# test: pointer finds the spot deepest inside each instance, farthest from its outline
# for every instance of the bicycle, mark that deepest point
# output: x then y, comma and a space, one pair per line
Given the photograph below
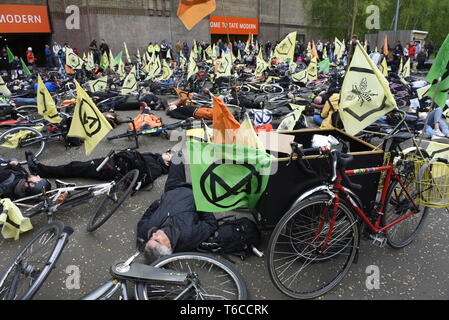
26, 274
180, 276
68, 196
325, 226
33, 136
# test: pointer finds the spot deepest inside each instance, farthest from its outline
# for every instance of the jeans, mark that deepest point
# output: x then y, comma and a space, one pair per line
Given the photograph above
25, 101
436, 116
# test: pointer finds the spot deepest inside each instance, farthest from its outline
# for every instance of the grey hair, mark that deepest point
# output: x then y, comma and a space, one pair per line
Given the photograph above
152, 253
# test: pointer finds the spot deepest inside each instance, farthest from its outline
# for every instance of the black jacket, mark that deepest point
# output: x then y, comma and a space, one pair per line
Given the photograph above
9, 176
176, 214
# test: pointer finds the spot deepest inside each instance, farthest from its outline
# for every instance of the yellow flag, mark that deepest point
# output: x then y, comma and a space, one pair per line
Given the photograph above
365, 94
139, 57
130, 83
155, 67
127, 52
90, 61
104, 63
406, 69
3, 88
423, 92
73, 61
438, 150
169, 54
225, 68
325, 56
194, 51
239, 56
193, 68
286, 48
290, 120
401, 67
247, 136
111, 60
45, 104
88, 122
339, 49
309, 50
121, 70
209, 51
167, 72
12, 222
384, 67
262, 65
98, 85
300, 77
312, 70
182, 61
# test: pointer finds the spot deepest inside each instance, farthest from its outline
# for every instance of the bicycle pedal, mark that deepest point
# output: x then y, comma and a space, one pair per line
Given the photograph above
379, 240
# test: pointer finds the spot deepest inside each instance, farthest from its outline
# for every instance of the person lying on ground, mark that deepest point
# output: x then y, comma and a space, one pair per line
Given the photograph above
172, 224
17, 183
150, 165
437, 126
180, 109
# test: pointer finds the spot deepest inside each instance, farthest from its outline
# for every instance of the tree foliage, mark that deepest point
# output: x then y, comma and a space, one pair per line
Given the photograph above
335, 17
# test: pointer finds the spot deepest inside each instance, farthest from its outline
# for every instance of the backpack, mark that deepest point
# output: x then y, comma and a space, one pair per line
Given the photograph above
126, 161
236, 237
146, 121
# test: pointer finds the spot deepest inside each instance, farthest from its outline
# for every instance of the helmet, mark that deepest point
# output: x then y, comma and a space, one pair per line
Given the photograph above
23, 189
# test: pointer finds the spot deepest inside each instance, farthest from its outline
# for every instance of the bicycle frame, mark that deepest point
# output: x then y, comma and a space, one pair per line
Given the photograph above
390, 175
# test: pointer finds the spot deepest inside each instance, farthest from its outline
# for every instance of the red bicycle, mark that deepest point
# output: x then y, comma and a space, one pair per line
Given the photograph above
314, 244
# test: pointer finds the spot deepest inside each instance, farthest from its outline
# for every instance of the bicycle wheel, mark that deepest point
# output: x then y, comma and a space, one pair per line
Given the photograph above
298, 264
212, 279
33, 264
16, 141
112, 200
273, 89
398, 205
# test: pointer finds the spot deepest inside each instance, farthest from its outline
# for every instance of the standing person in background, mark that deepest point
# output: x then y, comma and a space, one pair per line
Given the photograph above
104, 47
56, 48
94, 49
422, 57
178, 50
31, 59
319, 49
164, 49
186, 50
48, 57
418, 49
15, 67
411, 51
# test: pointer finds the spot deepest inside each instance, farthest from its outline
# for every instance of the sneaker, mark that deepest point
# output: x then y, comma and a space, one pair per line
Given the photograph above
436, 137
439, 133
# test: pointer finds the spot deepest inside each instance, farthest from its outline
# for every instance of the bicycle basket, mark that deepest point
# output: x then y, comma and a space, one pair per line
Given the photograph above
432, 183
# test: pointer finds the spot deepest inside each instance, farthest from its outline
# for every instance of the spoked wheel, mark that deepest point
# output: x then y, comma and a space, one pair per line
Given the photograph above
398, 205
33, 264
14, 142
210, 279
300, 264
273, 89
112, 200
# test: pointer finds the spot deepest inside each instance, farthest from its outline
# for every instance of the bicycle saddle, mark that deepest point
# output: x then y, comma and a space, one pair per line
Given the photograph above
62, 184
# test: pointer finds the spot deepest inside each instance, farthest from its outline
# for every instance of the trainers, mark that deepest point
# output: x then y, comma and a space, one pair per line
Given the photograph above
436, 138
439, 133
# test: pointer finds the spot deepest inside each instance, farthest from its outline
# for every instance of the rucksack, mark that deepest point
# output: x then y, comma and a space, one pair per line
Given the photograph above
128, 160
236, 237
146, 121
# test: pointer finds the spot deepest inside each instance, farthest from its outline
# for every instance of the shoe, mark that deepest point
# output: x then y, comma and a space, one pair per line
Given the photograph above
436, 138
32, 162
439, 133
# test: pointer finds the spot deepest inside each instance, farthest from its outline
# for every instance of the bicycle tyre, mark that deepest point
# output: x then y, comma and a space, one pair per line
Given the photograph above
30, 113
181, 259
55, 228
37, 150
102, 213
290, 223
401, 209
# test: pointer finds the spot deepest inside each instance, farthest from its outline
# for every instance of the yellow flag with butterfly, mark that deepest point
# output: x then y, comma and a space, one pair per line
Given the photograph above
193, 68
262, 65
4, 89
300, 77
286, 48
88, 122
99, 84
73, 61
365, 94
225, 68
167, 72
45, 105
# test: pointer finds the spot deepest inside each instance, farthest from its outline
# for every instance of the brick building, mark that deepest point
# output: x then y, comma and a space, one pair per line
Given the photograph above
138, 22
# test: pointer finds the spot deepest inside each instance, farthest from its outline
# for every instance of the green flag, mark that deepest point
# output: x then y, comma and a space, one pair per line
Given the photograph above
118, 57
440, 70
324, 66
226, 177
26, 71
10, 55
